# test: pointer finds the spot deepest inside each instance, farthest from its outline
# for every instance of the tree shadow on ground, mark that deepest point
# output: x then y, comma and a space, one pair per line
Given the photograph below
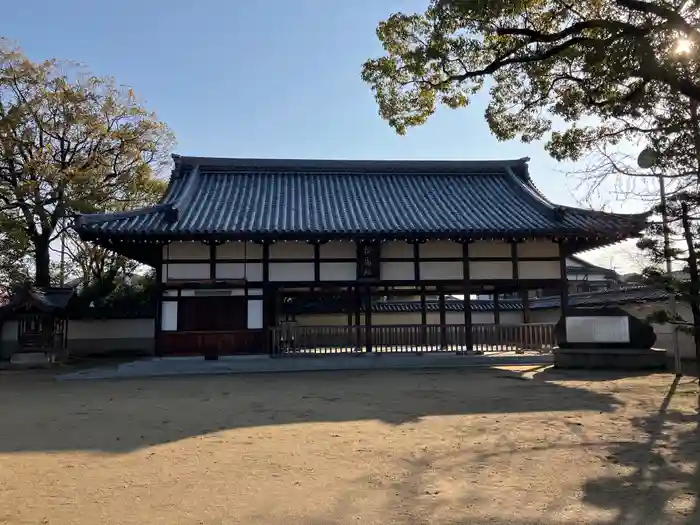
658, 478
654, 480
122, 416
558, 374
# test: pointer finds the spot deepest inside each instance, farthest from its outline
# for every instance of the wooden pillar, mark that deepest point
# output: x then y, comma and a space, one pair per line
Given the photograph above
157, 339
212, 261
423, 304
563, 285
368, 318
525, 301
270, 302
317, 264
564, 280
496, 309
357, 307
467, 290
443, 319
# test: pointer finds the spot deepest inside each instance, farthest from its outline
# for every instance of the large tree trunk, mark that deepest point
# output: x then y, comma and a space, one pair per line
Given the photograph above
42, 261
694, 282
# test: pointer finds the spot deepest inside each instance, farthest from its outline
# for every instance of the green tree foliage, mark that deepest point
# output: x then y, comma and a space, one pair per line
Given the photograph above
88, 262
70, 142
543, 62
585, 76
119, 294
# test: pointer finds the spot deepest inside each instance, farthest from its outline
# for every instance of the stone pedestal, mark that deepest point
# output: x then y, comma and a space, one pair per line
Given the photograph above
610, 358
31, 360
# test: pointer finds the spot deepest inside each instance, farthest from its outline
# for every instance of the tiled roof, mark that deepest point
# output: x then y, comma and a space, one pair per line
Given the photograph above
587, 268
43, 299
450, 306
305, 199
399, 307
634, 294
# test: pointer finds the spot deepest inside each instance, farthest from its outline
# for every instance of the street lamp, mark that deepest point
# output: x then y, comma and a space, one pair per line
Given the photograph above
648, 159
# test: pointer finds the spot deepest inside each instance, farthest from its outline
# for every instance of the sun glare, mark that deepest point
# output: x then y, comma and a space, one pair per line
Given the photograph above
683, 46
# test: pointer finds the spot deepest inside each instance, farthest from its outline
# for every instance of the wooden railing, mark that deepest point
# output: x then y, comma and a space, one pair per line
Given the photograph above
295, 339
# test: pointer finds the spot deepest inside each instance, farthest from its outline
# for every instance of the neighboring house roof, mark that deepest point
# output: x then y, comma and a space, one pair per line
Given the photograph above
634, 294
258, 199
42, 299
588, 268
451, 305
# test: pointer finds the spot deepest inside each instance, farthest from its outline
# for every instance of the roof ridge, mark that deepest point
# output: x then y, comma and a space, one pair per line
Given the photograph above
353, 166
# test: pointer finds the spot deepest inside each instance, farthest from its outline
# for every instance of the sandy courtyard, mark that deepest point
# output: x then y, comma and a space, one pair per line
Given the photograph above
501, 446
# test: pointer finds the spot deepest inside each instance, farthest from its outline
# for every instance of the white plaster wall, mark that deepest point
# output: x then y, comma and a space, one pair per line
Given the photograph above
96, 329
539, 270
180, 271
251, 271
396, 249
301, 271
338, 250
110, 328
440, 249
480, 249
535, 249
337, 271
482, 318
511, 318
185, 251
410, 318
397, 271
168, 318
434, 270
255, 314
239, 250
481, 270
291, 250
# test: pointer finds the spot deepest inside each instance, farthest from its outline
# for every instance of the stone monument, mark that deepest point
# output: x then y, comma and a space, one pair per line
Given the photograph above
605, 338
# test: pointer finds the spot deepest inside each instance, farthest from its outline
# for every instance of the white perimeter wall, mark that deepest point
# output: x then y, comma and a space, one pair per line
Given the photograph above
95, 336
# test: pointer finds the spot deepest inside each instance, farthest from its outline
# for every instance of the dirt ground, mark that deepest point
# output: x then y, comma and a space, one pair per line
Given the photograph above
499, 446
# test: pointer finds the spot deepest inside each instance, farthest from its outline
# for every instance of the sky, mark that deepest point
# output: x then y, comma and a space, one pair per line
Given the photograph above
271, 78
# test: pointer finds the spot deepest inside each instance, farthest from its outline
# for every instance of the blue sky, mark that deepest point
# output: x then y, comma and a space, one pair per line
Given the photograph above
270, 78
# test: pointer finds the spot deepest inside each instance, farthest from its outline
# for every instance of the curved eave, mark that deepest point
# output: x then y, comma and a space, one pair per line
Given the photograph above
178, 216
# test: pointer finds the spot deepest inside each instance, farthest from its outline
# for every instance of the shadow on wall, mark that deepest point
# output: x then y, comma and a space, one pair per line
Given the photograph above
122, 416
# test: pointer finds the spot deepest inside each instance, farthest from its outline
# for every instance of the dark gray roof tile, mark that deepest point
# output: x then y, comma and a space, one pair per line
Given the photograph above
247, 198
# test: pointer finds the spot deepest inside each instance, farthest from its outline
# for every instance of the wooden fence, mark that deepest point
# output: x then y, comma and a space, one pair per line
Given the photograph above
481, 338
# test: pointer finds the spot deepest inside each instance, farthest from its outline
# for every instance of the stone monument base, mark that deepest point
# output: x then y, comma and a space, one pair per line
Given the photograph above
31, 360
610, 358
